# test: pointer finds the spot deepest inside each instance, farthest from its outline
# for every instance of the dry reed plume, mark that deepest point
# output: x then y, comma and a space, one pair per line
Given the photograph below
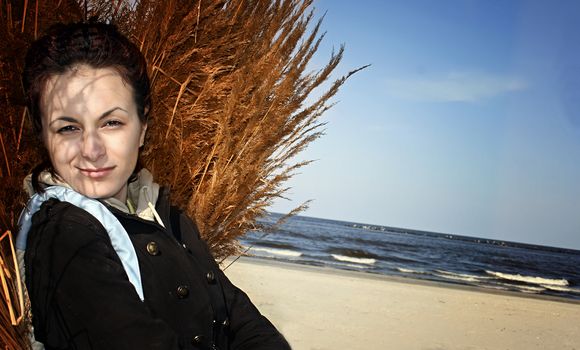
229, 111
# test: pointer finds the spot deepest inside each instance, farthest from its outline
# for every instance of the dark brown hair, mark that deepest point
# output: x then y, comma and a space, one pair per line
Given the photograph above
97, 45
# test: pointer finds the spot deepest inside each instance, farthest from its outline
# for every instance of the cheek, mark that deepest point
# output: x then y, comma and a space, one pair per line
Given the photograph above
134, 143
125, 150
61, 152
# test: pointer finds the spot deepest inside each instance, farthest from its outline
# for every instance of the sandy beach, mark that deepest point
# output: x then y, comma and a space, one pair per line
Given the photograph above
322, 308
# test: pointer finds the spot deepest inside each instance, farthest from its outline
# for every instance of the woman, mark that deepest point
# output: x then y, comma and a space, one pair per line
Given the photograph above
110, 264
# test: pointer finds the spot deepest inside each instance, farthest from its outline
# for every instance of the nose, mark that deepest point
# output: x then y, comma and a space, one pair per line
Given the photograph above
93, 147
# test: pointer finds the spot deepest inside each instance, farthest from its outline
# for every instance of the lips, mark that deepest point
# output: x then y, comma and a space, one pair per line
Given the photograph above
96, 173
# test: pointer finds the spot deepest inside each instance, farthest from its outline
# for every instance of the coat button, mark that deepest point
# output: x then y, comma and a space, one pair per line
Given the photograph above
210, 276
182, 292
198, 339
226, 322
153, 248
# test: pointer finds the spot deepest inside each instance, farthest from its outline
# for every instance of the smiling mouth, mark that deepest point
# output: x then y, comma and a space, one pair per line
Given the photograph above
96, 173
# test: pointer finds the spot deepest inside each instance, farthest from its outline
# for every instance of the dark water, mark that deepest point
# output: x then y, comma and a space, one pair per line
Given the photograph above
419, 254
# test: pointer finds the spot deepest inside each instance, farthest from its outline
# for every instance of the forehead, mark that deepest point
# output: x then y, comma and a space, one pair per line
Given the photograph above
87, 89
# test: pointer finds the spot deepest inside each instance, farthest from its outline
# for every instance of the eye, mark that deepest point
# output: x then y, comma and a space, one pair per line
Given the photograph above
113, 123
68, 129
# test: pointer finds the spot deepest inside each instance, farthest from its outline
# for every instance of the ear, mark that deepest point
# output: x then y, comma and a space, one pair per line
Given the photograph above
142, 136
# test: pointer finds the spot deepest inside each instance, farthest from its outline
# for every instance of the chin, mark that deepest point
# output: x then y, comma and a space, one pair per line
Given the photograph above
99, 193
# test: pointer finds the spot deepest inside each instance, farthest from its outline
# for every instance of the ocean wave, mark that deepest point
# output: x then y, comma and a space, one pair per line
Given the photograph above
458, 276
528, 279
404, 270
490, 286
351, 259
530, 289
522, 288
355, 253
281, 252
561, 289
343, 264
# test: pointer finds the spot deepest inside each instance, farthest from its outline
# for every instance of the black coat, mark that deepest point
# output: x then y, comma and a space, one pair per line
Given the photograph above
82, 299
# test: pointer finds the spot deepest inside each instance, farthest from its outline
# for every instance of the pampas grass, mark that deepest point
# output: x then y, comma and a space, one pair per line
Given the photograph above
230, 83
230, 87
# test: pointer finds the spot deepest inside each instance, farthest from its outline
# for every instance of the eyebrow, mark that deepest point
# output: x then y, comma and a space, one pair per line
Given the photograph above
73, 120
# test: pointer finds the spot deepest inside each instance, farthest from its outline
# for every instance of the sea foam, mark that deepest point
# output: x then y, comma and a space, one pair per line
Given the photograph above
272, 251
367, 261
529, 279
404, 270
458, 276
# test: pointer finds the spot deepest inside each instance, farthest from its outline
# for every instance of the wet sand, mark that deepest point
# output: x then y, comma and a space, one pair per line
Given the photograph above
321, 308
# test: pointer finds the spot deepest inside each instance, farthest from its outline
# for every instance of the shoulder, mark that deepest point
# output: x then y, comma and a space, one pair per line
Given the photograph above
60, 229
59, 217
55, 209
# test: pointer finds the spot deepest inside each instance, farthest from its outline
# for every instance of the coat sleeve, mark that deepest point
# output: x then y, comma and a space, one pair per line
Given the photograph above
248, 329
80, 295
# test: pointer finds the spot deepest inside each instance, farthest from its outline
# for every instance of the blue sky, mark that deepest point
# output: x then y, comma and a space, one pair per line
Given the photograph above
467, 122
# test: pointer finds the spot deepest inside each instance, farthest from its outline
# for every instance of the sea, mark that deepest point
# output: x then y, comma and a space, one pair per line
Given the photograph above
440, 257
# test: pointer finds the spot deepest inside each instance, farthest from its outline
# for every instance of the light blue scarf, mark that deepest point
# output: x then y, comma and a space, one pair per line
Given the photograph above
119, 237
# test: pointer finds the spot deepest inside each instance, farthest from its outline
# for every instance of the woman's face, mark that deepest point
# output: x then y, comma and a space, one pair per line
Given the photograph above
91, 130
